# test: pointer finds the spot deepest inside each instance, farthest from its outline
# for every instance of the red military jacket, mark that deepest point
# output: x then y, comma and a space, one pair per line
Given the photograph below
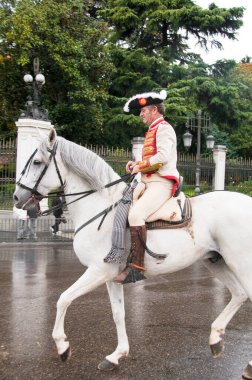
159, 154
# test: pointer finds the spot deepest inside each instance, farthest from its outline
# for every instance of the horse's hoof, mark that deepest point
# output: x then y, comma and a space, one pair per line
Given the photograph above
217, 348
247, 373
105, 365
66, 355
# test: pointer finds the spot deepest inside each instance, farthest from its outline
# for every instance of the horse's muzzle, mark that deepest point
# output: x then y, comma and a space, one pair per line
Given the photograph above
23, 201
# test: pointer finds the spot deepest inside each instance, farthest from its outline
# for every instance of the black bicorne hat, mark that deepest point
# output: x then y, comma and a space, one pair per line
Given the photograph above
146, 99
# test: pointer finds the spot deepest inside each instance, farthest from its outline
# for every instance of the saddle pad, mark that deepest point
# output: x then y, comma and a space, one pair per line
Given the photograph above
163, 224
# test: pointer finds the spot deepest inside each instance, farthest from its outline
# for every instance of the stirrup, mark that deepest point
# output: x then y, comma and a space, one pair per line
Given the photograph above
134, 275
129, 274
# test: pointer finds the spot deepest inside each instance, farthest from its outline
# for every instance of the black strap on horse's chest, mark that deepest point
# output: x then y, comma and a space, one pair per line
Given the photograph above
103, 213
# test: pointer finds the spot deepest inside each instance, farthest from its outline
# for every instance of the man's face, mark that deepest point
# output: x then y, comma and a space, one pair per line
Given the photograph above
148, 114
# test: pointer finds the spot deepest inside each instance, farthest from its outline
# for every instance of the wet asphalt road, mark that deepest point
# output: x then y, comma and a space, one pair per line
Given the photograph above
168, 322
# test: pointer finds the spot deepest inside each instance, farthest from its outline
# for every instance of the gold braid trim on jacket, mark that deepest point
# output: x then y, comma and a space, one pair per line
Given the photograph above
145, 167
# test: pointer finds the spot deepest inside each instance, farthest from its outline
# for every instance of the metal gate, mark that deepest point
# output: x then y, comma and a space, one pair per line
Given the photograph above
7, 172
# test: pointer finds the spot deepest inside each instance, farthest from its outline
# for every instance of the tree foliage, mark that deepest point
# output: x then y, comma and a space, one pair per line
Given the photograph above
164, 26
150, 53
222, 93
74, 58
96, 54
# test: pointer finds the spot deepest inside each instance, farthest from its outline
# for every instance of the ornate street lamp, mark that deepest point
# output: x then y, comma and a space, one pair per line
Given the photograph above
33, 108
210, 142
187, 139
201, 122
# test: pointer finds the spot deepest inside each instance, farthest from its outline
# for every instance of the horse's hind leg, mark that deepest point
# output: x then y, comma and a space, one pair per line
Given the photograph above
243, 270
117, 304
238, 296
90, 280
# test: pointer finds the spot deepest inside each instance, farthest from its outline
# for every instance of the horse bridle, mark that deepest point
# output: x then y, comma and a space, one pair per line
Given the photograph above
36, 194
34, 191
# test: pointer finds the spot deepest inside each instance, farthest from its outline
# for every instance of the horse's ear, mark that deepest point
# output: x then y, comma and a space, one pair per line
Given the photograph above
52, 136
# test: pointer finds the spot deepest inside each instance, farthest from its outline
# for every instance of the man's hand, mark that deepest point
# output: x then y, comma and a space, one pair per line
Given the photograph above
130, 165
135, 169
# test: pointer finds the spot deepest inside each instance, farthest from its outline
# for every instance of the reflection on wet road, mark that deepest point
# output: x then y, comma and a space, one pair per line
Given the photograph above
168, 323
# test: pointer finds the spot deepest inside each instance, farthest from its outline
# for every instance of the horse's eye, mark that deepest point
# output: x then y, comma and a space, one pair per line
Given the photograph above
36, 162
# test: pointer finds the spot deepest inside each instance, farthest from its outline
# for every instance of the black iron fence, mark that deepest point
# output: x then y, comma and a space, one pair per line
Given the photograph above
238, 171
7, 172
187, 168
238, 178
115, 157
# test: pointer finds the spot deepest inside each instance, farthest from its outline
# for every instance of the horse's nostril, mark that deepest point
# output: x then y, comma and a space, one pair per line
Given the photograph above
15, 198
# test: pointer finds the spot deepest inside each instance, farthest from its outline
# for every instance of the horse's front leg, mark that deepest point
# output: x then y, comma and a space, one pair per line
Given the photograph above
117, 304
90, 280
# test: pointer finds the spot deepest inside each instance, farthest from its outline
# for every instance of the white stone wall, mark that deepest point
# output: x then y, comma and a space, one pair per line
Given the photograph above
29, 137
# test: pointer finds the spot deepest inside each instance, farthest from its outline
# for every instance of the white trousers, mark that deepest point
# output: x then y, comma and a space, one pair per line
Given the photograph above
155, 195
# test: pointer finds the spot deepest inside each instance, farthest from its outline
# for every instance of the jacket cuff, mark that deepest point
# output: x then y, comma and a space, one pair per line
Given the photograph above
146, 167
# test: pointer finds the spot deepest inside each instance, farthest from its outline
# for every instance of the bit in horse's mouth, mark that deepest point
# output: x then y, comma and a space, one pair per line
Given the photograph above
33, 199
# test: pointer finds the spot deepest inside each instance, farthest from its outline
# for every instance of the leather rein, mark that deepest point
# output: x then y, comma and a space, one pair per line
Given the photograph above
36, 195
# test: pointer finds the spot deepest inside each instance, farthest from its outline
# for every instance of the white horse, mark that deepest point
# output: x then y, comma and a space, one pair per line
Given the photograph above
220, 228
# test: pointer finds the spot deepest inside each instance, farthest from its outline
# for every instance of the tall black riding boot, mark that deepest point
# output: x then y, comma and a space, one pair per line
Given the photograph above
135, 263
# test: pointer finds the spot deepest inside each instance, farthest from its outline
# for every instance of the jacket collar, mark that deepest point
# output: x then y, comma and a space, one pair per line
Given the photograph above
155, 123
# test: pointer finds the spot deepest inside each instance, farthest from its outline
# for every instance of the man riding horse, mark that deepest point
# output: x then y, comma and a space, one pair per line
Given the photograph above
159, 176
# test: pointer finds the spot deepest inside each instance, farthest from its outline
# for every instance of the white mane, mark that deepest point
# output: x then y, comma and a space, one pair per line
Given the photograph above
84, 163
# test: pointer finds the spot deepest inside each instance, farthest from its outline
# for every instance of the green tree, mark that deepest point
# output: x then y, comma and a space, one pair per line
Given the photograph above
96, 54
150, 52
225, 92
136, 72
74, 58
164, 26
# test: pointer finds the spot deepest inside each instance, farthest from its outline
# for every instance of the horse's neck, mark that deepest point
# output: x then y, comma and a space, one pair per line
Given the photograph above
90, 205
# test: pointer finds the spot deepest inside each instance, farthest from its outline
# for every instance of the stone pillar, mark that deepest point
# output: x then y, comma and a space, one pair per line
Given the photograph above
219, 156
29, 136
137, 146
